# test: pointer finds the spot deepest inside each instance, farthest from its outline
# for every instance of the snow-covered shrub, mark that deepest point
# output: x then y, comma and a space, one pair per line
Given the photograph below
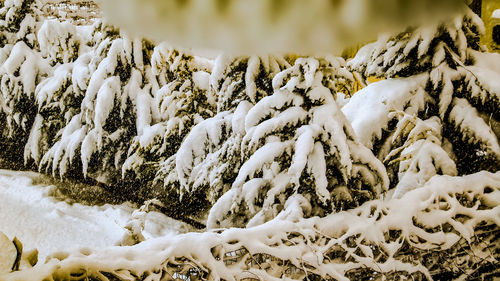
300, 152
58, 100
59, 41
21, 69
237, 79
337, 78
96, 138
208, 160
59, 97
18, 21
420, 153
20, 72
101, 31
431, 77
180, 100
446, 230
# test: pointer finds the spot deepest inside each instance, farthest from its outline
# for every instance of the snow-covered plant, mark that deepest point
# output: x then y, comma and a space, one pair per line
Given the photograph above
420, 153
385, 118
300, 151
18, 21
182, 101
59, 41
237, 79
337, 78
58, 100
110, 78
170, 64
101, 31
209, 158
430, 75
446, 230
21, 69
59, 97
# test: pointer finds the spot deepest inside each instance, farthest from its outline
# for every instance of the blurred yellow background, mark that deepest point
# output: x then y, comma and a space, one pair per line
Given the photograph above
490, 13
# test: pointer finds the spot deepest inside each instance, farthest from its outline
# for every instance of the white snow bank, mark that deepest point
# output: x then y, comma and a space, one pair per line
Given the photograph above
40, 221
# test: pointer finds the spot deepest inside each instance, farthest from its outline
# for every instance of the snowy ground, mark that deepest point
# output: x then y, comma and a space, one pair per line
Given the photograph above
38, 220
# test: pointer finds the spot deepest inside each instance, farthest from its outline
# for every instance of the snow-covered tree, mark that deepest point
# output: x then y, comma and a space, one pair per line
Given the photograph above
57, 104
434, 104
237, 79
22, 68
180, 100
59, 41
263, 140
105, 86
208, 160
301, 155
58, 98
18, 21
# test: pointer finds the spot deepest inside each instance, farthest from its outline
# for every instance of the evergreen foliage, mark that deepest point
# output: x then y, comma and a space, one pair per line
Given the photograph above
208, 160
22, 68
87, 108
451, 103
298, 150
179, 99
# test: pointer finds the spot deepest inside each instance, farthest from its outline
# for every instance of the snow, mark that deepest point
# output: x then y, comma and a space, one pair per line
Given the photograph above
488, 77
30, 213
105, 100
202, 80
143, 102
368, 110
192, 151
294, 241
467, 119
490, 61
304, 146
317, 167
292, 115
496, 14
58, 40
91, 143
238, 120
31, 150
269, 105
47, 89
428, 158
81, 73
252, 71
64, 150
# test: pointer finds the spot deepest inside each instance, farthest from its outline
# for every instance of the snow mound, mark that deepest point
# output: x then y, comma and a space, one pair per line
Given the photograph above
31, 214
